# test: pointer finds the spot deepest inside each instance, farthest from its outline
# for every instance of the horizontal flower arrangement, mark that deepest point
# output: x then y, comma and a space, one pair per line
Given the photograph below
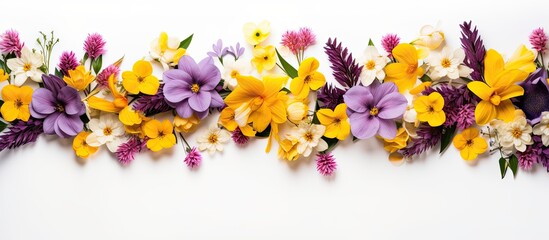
412, 96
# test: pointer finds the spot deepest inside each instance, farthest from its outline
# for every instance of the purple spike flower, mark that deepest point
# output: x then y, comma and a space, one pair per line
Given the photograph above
193, 158
472, 44
218, 50
103, 77
126, 151
10, 43
152, 104
538, 39
389, 42
346, 69
59, 105
67, 62
237, 51
191, 88
329, 96
427, 137
21, 133
94, 45
326, 164
373, 110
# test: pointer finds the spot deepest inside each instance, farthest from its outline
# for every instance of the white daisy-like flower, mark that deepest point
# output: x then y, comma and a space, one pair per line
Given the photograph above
213, 140
448, 63
231, 69
166, 50
26, 67
514, 135
373, 66
542, 128
309, 137
108, 130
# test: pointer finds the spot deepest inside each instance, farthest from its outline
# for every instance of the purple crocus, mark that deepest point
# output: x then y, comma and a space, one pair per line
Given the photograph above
236, 51
191, 87
536, 96
372, 110
218, 50
59, 105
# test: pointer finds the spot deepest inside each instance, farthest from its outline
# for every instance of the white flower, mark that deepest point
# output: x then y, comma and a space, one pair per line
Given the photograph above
231, 69
373, 66
448, 63
26, 67
106, 129
166, 50
430, 37
514, 135
308, 137
542, 128
213, 140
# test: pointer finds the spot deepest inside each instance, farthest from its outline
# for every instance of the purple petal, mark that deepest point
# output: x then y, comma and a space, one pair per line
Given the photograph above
187, 64
176, 74
358, 99
392, 106
70, 98
202, 115
43, 103
49, 123
176, 91
53, 83
387, 129
200, 101
183, 109
217, 101
68, 125
209, 74
363, 125
379, 90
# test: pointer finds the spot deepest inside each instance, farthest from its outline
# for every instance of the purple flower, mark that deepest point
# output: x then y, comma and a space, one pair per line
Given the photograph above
59, 105
472, 44
10, 43
191, 87
533, 154
94, 45
67, 62
239, 138
427, 137
218, 50
103, 77
464, 117
21, 133
372, 110
329, 96
152, 104
298, 41
538, 39
536, 96
237, 51
193, 158
389, 42
346, 70
126, 152
326, 164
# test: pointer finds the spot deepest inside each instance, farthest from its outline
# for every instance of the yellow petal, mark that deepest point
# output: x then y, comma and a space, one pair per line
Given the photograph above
163, 41
522, 59
485, 112
493, 65
102, 104
130, 82
396, 71
278, 112
25, 94
168, 141
422, 105
142, 68
129, 117
509, 77
437, 102
152, 128
344, 130
273, 83
316, 80
468, 154
341, 111
459, 141
167, 127
261, 118
505, 111
24, 113
10, 93
480, 89
149, 85
9, 111
154, 144
307, 67
296, 87
436, 118
247, 131
479, 145
325, 116
405, 53
511, 92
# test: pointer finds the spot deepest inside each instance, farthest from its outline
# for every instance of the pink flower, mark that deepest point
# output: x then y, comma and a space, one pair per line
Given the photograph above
298, 41
389, 42
538, 39
193, 158
326, 164
9, 43
306, 38
103, 76
67, 62
94, 45
290, 39
239, 138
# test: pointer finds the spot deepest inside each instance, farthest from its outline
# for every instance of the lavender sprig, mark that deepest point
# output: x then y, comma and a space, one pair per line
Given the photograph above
21, 133
427, 137
330, 96
126, 152
346, 70
475, 51
152, 104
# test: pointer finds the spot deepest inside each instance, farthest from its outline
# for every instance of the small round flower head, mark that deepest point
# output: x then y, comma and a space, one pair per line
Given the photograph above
238, 137
290, 39
326, 164
67, 62
103, 77
306, 38
193, 158
10, 43
94, 45
389, 42
538, 39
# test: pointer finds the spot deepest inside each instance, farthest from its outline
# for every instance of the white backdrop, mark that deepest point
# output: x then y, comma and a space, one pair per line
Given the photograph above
244, 193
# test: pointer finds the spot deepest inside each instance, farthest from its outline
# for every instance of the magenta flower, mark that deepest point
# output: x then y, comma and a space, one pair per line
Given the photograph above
290, 39
298, 41
239, 137
326, 164
191, 87
94, 45
193, 158
306, 38
538, 39
10, 43
389, 42
103, 77
126, 151
67, 62
59, 105
372, 110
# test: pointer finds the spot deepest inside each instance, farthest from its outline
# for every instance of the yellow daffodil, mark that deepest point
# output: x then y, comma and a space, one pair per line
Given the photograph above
288, 149
297, 109
140, 79
120, 101
308, 78
3, 76
500, 87
185, 125
429, 109
470, 144
335, 121
255, 34
227, 120
79, 78
522, 59
264, 58
80, 147
160, 134
16, 102
405, 72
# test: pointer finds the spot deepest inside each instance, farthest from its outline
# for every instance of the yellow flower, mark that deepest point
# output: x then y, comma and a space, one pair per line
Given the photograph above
335, 121
255, 34
264, 58
430, 37
129, 117
227, 120
79, 78
308, 78
429, 109
3, 76
140, 79
16, 102
397, 143
288, 149
160, 135
120, 101
405, 72
80, 147
420, 88
470, 144
166, 50
522, 59
499, 88
186, 125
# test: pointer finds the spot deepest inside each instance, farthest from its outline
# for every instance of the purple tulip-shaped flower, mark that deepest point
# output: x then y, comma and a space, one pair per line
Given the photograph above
191, 87
372, 110
59, 105
536, 96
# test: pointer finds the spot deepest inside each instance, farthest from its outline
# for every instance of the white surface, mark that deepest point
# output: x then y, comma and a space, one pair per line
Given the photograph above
244, 193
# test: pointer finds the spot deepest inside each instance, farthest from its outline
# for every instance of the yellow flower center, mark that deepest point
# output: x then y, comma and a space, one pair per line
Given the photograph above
517, 133
212, 138
411, 68
27, 67
445, 63
195, 88
370, 65
374, 111
234, 73
107, 131
495, 99
308, 136
18, 103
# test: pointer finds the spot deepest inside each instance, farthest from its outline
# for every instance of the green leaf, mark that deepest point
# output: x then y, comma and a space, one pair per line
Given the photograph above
58, 73
84, 118
513, 164
446, 138
370, 43
85, 58
332, 142
425, 78
4, 67
503, 167
1, 102
291, 71
315, 117
3, 126
284, 89
265, 132
97, 64
186, 42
